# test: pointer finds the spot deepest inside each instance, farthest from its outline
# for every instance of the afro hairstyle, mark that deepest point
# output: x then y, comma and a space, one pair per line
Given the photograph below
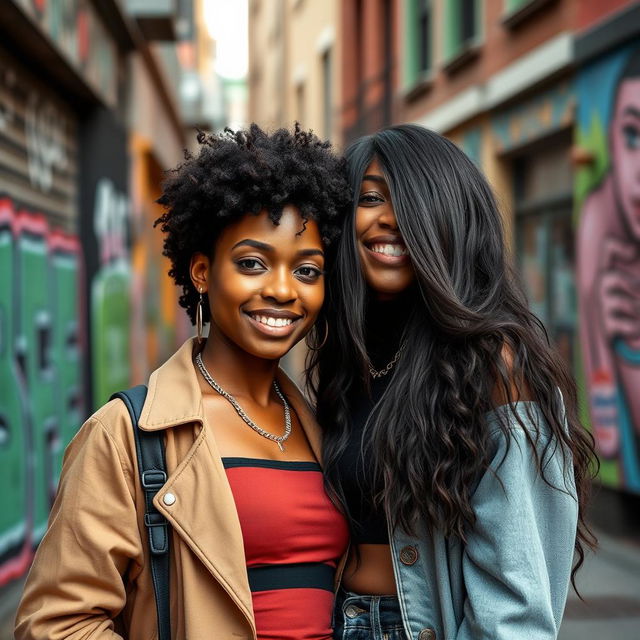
245, 172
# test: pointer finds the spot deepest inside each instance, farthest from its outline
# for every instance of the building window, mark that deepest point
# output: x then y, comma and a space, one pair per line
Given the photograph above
545, 242
512, 5
419, 40
462, 26
517, 11
327, 99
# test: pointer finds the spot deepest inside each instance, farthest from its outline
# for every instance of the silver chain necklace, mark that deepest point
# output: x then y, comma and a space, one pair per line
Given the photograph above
279, 440
378, 373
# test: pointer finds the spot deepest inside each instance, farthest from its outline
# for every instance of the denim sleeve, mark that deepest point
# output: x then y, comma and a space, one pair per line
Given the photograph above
517, 560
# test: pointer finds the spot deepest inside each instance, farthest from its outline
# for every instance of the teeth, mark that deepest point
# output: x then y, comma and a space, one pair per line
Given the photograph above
270, 321
390, 249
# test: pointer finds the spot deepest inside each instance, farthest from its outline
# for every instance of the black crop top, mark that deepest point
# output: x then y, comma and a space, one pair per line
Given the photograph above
385, 323
369, 521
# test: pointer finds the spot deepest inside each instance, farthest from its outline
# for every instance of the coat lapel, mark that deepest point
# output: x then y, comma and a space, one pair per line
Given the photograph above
203, 513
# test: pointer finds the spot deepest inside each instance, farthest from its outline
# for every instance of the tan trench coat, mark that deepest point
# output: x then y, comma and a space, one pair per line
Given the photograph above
92, 567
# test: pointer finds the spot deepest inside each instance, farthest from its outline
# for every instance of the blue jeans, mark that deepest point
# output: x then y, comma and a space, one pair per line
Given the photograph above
359, 617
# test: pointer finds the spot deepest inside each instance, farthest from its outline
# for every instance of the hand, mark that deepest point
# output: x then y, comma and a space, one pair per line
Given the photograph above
618, 291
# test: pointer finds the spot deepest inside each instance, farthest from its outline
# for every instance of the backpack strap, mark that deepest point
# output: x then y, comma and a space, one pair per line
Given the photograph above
153, 475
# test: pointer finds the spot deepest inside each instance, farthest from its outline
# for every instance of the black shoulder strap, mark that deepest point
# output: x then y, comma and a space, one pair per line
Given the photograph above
153, 475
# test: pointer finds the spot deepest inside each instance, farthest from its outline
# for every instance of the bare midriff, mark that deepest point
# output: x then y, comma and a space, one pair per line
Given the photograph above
371, 573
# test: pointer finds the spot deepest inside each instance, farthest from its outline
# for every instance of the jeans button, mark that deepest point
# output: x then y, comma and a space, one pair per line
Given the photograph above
351, 611
409, 556
427, 634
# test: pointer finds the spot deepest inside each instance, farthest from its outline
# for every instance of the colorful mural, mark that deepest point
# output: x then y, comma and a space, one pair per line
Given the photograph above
543, 114
608, 248
40, 374
105, 230
110, 293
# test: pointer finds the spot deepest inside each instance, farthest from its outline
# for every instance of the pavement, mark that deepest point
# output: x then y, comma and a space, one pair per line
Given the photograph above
609, 583
9, 597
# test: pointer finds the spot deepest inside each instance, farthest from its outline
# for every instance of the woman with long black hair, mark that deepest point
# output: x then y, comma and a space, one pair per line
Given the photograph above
450, 430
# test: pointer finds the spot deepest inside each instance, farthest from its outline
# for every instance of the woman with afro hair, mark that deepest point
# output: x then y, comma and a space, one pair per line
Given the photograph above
254, 539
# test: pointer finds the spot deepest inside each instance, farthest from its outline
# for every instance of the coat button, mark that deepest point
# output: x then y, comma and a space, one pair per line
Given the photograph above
168, 499
427, 634
409, 556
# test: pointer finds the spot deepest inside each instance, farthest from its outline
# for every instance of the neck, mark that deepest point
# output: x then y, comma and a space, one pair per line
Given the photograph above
384, 325
237, 371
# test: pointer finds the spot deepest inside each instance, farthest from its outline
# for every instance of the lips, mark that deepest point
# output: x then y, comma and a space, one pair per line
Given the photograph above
387, 249
273, 322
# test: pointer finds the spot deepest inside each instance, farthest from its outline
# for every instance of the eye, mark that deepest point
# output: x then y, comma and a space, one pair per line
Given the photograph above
250, 264
308, 273
631, 137
370, 198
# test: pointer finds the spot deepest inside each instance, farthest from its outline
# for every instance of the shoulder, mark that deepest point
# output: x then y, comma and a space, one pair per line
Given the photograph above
517, 420
516, 387
523, 444
107, 433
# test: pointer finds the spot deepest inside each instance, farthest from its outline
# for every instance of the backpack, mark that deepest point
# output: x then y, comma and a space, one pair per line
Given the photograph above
153, 475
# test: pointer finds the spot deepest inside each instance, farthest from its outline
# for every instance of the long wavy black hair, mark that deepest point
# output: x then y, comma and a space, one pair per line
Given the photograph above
469, 336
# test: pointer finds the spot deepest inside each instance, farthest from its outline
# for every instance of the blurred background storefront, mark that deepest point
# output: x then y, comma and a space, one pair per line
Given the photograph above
99, 97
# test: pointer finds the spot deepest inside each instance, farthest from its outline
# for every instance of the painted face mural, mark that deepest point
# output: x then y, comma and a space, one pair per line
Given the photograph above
609, 260
625, 153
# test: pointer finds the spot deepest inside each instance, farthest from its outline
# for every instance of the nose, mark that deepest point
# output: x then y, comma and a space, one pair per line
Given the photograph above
280, 287
387, 219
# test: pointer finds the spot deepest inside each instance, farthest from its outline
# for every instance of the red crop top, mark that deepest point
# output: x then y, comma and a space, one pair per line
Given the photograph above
293, 539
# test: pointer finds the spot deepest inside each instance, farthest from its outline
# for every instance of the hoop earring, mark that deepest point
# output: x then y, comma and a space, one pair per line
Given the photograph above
199, 316
324, 341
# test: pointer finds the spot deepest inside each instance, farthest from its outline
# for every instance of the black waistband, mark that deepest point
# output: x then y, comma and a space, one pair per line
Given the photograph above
303, 575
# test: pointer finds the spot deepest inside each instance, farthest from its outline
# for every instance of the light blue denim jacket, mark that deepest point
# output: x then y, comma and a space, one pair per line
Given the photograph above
510, 580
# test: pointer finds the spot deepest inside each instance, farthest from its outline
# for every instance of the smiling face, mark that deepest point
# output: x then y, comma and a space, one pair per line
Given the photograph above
625, 147
265, 283
386, 264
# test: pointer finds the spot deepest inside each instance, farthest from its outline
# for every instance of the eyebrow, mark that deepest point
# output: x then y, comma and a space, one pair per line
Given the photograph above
311, 252
374, 178
262, 246
632, 111
253, 243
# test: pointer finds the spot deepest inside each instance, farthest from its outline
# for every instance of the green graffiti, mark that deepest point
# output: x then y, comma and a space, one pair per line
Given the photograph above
35, 347
110, 320
595, 140
13, 448
65, 351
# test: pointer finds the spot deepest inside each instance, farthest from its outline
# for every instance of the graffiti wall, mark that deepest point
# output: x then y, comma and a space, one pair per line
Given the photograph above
607, 193
104, 229
40, 374
86, 306
41, 328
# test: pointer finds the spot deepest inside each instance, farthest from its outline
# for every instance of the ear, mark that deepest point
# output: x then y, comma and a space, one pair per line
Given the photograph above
199, 270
